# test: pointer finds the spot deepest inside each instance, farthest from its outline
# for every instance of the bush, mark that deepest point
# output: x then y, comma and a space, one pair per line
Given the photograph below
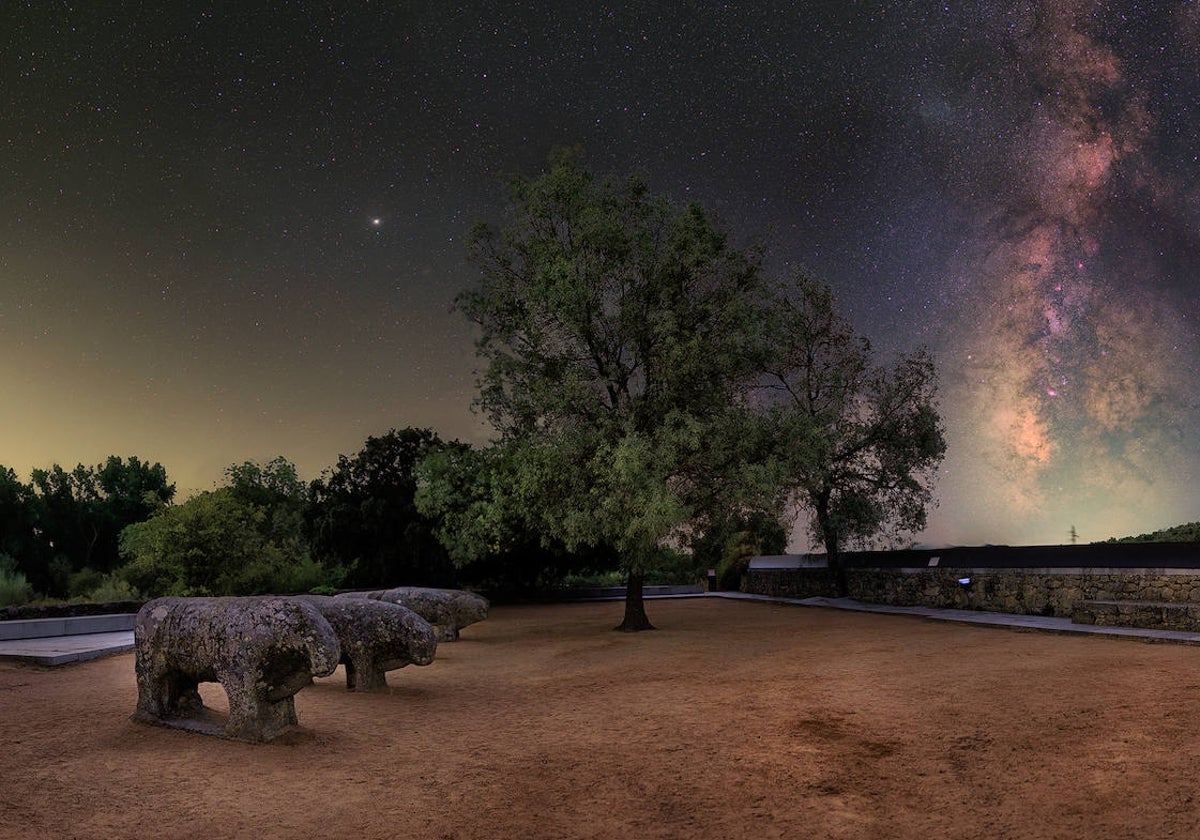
112, 588
669, 568
674, 568
735, 560
587, 577
58, 577
81, 583
306, 575
14, 587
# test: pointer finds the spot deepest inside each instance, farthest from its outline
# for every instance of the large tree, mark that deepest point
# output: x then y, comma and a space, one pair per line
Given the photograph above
130, 490
80, 514
277, 490
19, 536
245, 538
859, 442
363, 515
617, 328
211, 544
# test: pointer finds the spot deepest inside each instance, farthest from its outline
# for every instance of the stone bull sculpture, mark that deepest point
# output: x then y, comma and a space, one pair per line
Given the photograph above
262, 650
375, 637
448, 610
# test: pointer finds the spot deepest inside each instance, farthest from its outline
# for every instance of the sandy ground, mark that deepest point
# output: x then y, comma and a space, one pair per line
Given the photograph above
733, 719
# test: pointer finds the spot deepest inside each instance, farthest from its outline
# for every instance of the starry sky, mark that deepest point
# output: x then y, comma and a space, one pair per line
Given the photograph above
230, 231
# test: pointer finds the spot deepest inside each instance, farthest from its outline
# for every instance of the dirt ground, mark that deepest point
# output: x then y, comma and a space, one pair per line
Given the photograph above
733, 719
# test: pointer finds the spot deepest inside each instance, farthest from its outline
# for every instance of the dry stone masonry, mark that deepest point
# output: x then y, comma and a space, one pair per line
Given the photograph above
1053, 592
1150, 585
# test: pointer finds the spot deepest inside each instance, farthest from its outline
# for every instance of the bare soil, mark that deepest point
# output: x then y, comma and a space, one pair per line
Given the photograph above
733, 719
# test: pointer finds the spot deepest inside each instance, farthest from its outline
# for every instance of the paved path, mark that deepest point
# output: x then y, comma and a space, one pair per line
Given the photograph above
1041, 623
59, 650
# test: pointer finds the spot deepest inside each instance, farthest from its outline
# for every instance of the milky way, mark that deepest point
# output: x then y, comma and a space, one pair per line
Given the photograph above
1078, 387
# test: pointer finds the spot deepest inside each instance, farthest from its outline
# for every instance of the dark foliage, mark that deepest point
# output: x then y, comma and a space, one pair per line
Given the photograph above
63, 522
362, 515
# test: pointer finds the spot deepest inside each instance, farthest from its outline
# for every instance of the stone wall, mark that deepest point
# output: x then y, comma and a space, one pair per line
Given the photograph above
1052, 592
788, 583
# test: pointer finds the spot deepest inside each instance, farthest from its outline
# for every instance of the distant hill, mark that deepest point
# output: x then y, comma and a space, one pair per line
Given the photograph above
1179, 533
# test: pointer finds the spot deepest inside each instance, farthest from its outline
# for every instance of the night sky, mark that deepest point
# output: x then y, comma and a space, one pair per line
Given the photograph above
234, 231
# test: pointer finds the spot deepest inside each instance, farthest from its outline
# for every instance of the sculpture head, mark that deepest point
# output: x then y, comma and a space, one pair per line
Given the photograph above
400, 631
324, 650
422, 638
472, 608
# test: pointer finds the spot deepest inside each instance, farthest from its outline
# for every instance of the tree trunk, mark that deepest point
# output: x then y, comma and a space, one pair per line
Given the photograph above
833, 557
841, 587
635, 606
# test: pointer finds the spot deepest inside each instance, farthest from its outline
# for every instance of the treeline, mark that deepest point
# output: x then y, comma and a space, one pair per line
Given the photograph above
115, 532
60, 532
1188, 532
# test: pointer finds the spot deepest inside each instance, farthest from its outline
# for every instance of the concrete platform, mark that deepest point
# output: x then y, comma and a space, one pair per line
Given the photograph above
60, 650
39, 628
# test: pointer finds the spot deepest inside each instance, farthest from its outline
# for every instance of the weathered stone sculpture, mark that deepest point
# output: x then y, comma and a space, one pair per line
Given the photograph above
360, 594
448, 610
375, 637
262, 650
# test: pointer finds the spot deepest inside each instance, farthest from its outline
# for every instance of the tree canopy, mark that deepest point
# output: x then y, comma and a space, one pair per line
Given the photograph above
650, 386
858, 443
480, 510
1188, 532
363, 514
78, 515
245, 538
617, 329
20, 539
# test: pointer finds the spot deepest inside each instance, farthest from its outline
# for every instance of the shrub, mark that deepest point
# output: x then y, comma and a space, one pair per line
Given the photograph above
14, 587
111, 588
305, 575
587, 577
81, 583
735, 560
59, 577
673, 568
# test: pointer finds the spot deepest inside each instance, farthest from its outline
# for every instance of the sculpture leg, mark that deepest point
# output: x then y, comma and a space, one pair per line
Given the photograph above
367, 675
252, 715
164, 693
151, 691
